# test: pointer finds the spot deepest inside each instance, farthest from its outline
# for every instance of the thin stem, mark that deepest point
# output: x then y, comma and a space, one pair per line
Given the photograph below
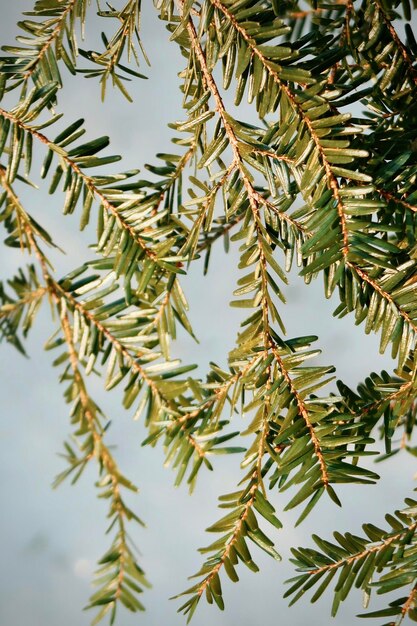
384, 294
408, 604
175, 176
303, 411
101, 452
22, 217
390, 196
344, 35
234, 538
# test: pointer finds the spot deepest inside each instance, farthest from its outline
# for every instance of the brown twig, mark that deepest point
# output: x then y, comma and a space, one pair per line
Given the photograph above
303, 411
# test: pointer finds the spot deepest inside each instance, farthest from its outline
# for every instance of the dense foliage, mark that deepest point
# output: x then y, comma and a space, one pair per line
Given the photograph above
325, 181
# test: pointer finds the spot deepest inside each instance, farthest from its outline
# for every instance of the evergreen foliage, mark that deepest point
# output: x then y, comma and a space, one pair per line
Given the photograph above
325, 181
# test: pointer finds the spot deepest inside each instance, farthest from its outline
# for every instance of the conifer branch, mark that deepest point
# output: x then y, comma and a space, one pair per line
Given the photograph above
253, 197
359, 560
392, 197
23, 220
88, 181
304, 412
307, 183
331, 178
115, 589
236, 534
384, 294
361, 555
37, 294
55, 34
405, 53
58, 293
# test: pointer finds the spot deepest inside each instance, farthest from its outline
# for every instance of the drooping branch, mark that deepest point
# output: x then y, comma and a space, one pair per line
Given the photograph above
254, 201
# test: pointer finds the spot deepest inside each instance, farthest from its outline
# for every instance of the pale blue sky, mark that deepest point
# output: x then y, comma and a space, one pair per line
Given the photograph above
51, 539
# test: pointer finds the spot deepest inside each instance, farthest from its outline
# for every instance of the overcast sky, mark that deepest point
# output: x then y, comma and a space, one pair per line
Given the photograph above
52, 539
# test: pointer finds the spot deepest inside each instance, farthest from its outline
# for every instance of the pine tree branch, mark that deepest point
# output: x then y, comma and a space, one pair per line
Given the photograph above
384, 294
107, 464
99, 450
274, 155
253, 197
57, 293
182, 164
236, 533
55, 34
127, 17
331, 178
22, 218
305, 414
109, 61
353, 224
359, 559
359, 556
88, 181
18, 313
37, 294
408, 60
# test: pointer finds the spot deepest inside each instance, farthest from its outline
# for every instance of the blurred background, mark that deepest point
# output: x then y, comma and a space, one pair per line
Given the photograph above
51, 540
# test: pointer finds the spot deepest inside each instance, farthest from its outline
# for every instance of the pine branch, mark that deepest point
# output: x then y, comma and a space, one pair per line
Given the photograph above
384, 294
268, 340
359, 560
114, 587
18, 313
22, 220
109, 61
236, 527
87, 180
387, 399
44, 45
303, 411
392, 197
405, 53
158, 400
349, 252
334, 194
117, 585
55, 34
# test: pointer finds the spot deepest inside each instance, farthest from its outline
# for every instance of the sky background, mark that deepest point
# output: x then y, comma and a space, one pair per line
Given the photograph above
52, 539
